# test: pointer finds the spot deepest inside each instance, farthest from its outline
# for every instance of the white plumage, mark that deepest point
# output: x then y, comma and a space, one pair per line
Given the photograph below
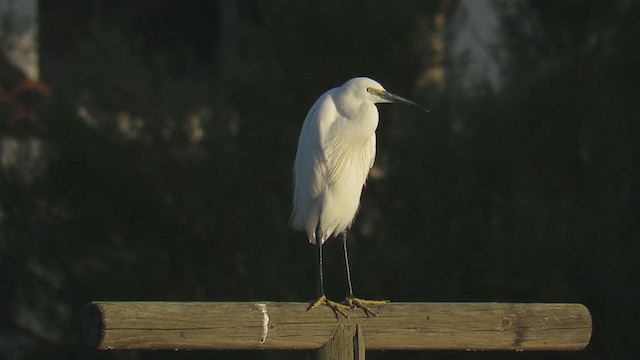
336, 149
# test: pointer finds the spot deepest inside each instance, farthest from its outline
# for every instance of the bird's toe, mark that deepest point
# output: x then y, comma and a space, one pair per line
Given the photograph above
363, 304
336, 307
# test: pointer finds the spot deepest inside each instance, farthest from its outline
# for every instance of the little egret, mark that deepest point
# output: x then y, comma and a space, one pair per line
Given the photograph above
336, 149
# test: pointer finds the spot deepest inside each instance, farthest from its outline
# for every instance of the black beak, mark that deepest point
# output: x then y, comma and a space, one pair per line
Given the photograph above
389, 97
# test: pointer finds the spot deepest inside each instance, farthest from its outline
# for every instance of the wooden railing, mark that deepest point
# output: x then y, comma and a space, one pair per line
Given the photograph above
277, 325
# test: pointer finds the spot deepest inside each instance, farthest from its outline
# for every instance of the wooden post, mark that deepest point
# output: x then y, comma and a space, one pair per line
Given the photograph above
346, 344
400, 326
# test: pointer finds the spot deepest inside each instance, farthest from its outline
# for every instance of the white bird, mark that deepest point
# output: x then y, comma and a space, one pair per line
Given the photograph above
336, 150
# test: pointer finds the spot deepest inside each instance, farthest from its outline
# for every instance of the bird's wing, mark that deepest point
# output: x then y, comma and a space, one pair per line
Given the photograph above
372, 150
347, 159
313, 148
336, 150
310, 166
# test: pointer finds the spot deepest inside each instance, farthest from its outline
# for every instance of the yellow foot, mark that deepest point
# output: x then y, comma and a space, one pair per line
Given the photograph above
354, 302
336, 307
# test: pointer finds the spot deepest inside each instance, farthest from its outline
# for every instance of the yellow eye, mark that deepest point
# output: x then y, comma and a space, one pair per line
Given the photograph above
369, 90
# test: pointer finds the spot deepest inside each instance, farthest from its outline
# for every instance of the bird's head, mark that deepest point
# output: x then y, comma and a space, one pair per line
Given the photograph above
372, 91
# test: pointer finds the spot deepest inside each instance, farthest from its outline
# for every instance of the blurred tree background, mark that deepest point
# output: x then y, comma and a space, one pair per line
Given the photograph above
153, 162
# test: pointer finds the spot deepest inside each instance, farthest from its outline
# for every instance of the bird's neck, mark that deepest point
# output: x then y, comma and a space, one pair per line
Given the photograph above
360, 121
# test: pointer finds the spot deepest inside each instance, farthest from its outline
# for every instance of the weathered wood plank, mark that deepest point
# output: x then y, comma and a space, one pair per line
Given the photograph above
406, 326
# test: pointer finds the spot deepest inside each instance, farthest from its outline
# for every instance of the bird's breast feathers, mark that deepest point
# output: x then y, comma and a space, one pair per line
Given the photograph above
346, 145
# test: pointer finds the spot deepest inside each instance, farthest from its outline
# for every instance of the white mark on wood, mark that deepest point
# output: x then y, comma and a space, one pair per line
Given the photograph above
265, 321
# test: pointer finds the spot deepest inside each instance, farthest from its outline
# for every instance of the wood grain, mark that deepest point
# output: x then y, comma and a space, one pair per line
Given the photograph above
405, 326
347, 344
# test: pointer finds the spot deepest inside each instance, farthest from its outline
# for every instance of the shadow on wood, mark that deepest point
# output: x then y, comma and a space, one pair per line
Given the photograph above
272, 325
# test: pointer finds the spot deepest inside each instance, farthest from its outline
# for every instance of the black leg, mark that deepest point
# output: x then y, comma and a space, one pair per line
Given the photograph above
319, 246
346, 262
337, 308
351, 300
